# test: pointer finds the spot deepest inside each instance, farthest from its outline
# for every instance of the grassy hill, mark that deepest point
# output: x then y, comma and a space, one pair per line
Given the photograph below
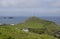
38, 29
36, 22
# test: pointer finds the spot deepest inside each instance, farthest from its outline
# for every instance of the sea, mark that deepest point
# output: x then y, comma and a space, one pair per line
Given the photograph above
21, 19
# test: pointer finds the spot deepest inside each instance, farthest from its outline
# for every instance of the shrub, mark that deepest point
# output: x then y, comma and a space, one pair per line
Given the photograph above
37, 30
0, 33
10, 37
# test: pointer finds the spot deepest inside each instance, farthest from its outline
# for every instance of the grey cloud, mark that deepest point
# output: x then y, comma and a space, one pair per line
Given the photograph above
30, 3
19, 3
54, 4
33, 6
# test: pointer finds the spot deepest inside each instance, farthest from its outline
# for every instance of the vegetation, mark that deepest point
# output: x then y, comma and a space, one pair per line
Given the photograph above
38, 29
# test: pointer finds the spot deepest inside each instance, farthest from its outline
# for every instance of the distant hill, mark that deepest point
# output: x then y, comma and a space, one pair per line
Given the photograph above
37, 22
10, 17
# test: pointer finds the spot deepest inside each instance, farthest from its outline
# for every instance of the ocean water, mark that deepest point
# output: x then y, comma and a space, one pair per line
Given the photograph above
15, 20
21, 19
53, 19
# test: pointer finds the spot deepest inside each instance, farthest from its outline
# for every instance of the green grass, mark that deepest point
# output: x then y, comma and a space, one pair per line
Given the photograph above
11, 33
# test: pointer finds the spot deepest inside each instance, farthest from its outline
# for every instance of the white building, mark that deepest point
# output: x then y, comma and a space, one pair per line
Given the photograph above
25, 29
0, 23
12, 24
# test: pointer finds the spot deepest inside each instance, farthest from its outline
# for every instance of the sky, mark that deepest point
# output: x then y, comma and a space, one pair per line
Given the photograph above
29, 7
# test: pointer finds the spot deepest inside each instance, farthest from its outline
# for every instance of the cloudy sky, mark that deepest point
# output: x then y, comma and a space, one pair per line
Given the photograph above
29, 7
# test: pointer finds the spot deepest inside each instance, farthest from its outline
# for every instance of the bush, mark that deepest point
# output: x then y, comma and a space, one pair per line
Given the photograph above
37, 30
0, 33
10, 37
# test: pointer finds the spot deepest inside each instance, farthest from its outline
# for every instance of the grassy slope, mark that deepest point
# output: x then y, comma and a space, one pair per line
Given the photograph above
34, 22
10, 32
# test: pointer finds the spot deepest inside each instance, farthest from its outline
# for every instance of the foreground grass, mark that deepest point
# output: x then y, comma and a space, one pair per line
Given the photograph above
12, 33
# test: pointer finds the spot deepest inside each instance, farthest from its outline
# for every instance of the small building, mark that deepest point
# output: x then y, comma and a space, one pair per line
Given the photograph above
0, 23
12, 24
25, 29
